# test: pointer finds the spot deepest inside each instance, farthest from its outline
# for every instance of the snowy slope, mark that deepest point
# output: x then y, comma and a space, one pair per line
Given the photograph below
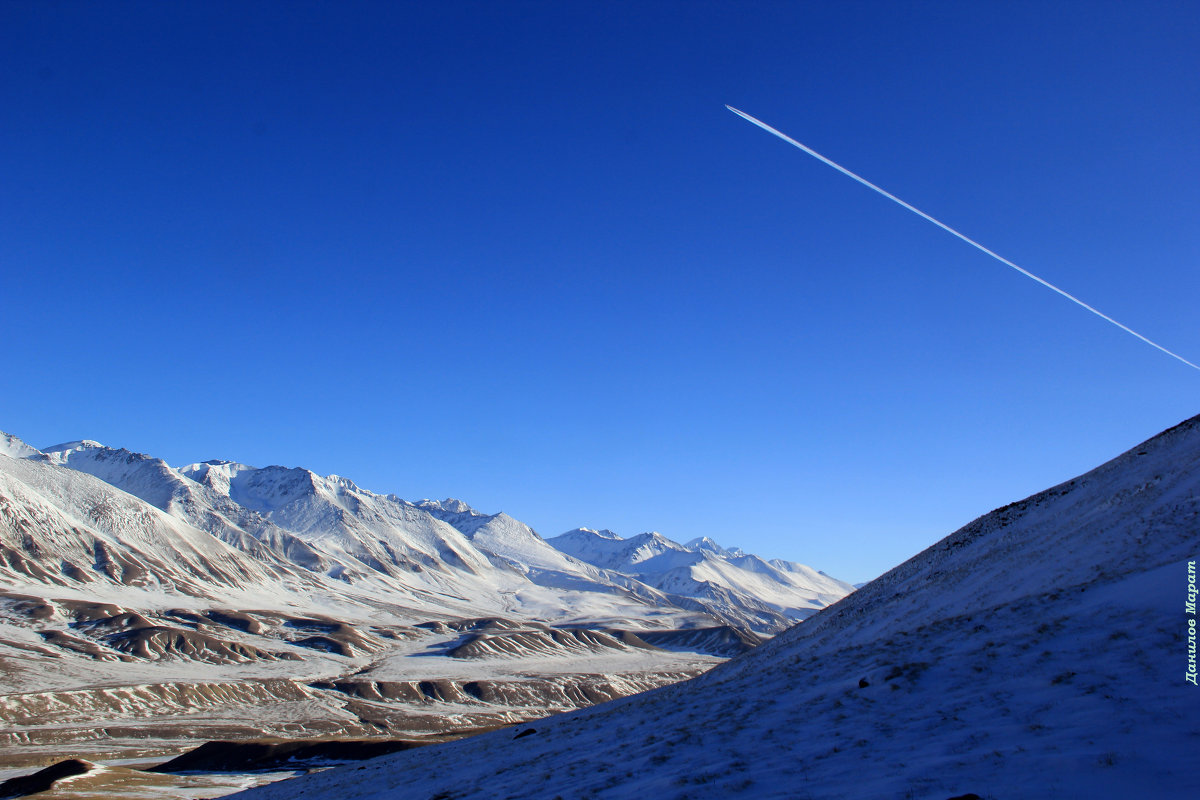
722, 579
375, 532
154, 481
1036, 652
13, 447
608, 550
508, 539
512, 544
64, 528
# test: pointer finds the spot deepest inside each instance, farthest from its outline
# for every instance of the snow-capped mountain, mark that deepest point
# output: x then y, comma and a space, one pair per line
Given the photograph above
509, 541
1039, 651
290, 531
307, 528
610, 551
154, 481
363, 532
512, 544
722, 579
703, 543
317, 529
63, 528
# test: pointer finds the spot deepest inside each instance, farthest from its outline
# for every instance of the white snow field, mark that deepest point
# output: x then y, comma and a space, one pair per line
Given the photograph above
1038, 652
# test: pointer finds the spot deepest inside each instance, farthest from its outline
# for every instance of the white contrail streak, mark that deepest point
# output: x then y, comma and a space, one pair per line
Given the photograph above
948, 229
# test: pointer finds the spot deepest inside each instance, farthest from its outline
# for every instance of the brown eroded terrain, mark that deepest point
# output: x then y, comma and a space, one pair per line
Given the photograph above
130, 687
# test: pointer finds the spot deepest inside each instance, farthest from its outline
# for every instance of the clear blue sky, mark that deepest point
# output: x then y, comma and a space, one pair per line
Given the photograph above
521, 254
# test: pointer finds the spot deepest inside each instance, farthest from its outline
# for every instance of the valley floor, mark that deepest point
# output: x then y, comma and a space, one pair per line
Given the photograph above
132, 687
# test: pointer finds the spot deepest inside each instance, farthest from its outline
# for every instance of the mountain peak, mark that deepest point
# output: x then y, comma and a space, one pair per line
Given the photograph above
701, 541
82, 444
703, 544
653, 536
603, 533
449, 505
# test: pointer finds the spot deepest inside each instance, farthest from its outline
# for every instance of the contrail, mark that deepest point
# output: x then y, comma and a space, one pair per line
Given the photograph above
948, 229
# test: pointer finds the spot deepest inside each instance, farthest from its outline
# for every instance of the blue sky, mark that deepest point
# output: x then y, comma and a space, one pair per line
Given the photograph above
521, 254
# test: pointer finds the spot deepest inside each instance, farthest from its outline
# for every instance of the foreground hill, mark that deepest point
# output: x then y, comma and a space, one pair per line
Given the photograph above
1037, 652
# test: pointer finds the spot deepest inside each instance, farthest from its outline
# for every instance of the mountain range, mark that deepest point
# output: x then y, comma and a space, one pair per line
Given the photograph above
141, 601
308, 531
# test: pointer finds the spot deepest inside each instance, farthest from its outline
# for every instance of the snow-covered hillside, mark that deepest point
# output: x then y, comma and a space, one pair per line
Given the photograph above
1039, 651
63, 528
13, 447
